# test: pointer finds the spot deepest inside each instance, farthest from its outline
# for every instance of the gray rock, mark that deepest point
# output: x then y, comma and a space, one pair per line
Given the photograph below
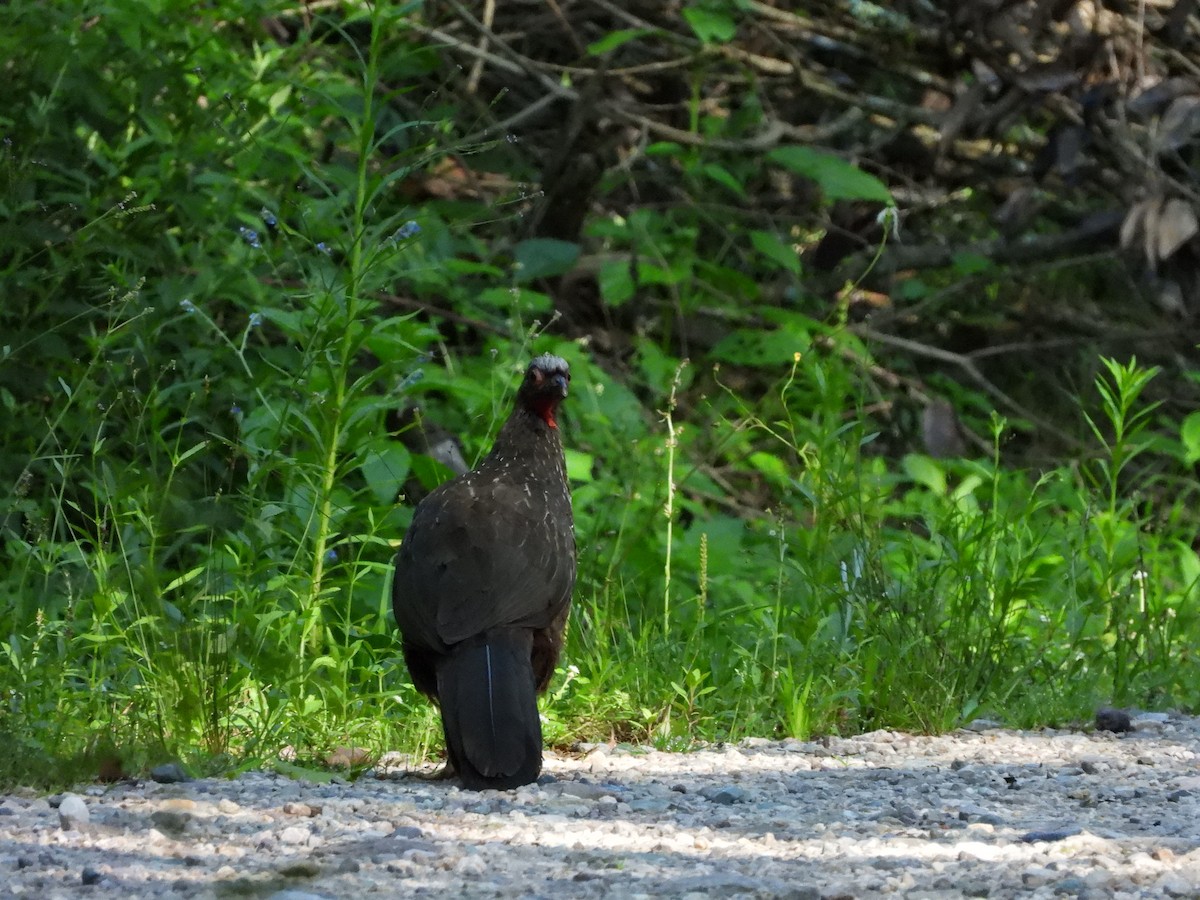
1051, 834
725, 884
1073, 886
726, 795
169, 773
73, 813
1175, 884
979, 725
294, 834
171, 822
581, 789
649, 806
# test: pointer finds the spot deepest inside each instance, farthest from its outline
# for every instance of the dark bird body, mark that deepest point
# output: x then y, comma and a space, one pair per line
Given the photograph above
483, 588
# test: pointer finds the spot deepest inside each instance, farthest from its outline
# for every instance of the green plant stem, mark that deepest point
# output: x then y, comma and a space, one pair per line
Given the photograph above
669, 506
354, 278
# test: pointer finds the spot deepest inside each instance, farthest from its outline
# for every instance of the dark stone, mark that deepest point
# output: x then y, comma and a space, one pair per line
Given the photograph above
726, 795
1111, 719
90, 876
649, 805
300, 868
169, 773
1051, 834
404, 846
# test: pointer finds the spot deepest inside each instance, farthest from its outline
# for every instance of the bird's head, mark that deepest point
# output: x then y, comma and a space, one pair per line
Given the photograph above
545, 386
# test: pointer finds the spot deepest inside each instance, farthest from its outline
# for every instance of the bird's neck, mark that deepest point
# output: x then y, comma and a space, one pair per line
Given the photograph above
528, 444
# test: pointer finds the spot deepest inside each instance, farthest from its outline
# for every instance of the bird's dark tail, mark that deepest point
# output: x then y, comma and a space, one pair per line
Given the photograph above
489, 710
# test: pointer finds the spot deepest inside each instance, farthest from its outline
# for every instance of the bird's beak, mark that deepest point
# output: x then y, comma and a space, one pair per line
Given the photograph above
561, 381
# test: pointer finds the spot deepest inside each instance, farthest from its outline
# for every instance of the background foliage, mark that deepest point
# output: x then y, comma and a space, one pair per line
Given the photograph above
853, 444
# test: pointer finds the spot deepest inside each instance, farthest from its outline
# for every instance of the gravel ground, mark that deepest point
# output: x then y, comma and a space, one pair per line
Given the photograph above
987, 812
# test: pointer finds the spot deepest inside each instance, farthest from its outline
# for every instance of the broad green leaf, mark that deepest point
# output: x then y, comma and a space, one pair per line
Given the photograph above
837, 179
1189, 434
544, 257
770, 246
616, 282
385, 470
924, 471
579, 465
649, 273
757, 347
771, 467
971, 263
713, 26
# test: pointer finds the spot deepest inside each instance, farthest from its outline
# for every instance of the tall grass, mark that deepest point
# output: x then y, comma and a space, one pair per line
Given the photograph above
204, 496
917, 597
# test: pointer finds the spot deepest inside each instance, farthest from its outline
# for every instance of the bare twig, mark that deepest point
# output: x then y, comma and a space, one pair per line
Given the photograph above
489, 14
967, 365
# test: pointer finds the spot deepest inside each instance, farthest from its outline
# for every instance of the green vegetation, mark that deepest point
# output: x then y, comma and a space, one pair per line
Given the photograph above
221, 274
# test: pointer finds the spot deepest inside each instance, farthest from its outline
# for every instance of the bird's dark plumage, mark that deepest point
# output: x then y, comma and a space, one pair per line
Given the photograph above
483, 587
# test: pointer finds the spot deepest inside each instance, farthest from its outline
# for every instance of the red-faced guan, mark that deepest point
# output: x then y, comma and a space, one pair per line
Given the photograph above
483, 588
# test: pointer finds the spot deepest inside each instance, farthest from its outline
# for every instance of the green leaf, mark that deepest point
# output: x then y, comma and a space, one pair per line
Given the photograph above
771, 467
837, 179
1189, 434
970, 264
722, 176
385, 470
924, 471
713, 26
757, 347
614, 40
616, 282
430, 472
770, 246
544, 257
579, 465
664, 148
